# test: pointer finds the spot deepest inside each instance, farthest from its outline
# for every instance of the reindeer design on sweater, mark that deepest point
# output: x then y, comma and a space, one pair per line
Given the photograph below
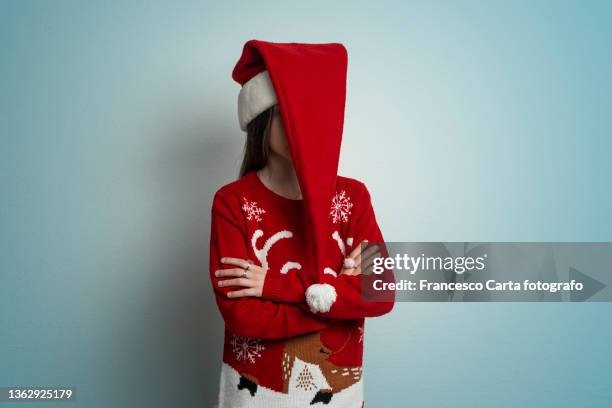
262, 253
307, 366
310, 349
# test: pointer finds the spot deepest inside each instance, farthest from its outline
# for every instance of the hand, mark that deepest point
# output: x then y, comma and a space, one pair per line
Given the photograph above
363, 260
253, 280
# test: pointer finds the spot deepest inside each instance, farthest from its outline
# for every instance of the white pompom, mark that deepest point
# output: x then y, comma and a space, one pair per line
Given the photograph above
320, 297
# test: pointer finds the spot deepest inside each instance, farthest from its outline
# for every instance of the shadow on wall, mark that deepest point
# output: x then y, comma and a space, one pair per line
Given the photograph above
180, 357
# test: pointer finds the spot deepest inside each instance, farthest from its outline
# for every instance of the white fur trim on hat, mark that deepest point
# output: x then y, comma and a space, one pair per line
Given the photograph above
320, 297
256, 95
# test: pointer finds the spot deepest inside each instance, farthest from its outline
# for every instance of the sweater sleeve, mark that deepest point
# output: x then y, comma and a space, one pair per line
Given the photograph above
250, 316
285, 289
350, 302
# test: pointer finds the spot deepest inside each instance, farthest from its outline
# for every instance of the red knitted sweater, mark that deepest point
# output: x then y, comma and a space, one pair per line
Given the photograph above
277, 352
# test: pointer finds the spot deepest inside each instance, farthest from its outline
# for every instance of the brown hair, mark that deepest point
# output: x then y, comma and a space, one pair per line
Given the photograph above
256, 146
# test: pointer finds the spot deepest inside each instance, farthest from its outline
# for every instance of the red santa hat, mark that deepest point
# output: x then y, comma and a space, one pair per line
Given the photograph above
308, 81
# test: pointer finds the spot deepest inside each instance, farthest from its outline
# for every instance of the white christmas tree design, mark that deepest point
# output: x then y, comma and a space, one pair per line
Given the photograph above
246, 349
360, 328
252, 211
305, 380
341, 207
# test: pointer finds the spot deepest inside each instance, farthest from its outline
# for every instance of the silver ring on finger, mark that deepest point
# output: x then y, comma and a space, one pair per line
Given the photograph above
349, 263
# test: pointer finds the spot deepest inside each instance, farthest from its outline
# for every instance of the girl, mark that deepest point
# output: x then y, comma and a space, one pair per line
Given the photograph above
285, 256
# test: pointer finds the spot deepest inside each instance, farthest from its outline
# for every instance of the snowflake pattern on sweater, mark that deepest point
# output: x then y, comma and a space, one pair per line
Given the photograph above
252, 211
246, 349
340, 207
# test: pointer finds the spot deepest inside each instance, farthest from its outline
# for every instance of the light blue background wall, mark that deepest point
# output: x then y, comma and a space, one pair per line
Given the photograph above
468, 121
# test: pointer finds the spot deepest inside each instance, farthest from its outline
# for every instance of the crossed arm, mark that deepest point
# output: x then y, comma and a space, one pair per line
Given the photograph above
258, 306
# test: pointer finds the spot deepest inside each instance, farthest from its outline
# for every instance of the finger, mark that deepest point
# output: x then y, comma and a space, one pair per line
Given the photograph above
235, 261
368, 255
236, 282
359, 253
241, 293
369, 251
228, 273
353, 271
367, 264
357, 250
348, 271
